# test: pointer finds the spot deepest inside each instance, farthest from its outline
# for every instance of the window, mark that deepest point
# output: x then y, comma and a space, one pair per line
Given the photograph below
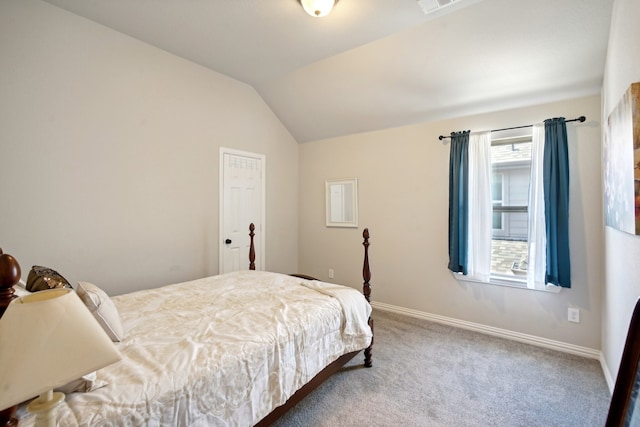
513, 230
511, 171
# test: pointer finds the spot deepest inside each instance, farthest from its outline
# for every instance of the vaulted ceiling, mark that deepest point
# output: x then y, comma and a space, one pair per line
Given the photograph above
374, 64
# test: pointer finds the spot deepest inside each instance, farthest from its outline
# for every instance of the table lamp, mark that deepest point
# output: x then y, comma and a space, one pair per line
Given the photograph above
49, 339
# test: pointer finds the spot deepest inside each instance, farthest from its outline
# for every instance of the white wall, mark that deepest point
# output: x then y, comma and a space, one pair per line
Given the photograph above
110, 151
622, 284
403, 188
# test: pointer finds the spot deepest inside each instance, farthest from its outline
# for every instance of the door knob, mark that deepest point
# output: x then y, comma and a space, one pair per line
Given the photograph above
228, 241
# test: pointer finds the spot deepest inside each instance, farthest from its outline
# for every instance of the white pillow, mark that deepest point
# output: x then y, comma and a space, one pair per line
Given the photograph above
19, 289
102, 308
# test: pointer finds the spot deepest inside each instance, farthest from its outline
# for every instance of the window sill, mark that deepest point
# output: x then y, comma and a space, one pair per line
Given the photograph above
506, 281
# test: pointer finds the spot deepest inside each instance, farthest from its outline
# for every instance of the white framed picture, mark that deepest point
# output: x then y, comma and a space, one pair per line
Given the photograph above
342, 202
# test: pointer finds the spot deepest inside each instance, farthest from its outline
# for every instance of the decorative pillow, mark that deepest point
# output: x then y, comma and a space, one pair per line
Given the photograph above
83, 384
102, 308
42, 278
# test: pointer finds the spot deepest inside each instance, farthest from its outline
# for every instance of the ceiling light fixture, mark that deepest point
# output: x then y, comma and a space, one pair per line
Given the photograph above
318, 8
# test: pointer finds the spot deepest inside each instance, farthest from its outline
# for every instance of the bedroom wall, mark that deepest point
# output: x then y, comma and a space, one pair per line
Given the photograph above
622, 283
403, 200
110, 154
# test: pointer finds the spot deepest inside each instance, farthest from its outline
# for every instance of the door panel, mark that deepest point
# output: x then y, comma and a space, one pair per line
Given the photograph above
241, 203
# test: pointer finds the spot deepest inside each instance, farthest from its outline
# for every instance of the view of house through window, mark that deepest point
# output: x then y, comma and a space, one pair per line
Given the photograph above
511, 170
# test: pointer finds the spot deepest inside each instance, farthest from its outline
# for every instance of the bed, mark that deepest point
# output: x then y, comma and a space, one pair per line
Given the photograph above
208, 352
624, 408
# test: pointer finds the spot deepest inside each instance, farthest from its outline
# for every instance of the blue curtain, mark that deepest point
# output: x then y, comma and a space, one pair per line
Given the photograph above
556, 201
458, 201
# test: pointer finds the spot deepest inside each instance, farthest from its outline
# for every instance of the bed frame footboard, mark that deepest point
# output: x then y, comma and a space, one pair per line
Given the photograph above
366, 286
336, 365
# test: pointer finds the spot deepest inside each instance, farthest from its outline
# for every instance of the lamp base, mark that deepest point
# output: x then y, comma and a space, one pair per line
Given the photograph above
44, 407
6, 417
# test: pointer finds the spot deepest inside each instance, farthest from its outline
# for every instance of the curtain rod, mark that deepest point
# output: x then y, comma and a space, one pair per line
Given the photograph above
579, 119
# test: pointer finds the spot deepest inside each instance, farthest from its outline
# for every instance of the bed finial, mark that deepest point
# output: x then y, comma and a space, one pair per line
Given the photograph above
252, 251
9, 276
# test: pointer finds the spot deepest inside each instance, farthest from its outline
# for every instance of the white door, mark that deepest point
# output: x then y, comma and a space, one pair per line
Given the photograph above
241, 203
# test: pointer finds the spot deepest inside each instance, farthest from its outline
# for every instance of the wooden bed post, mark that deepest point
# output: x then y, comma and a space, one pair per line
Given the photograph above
366, 272
9, 276
366, 290
252, 250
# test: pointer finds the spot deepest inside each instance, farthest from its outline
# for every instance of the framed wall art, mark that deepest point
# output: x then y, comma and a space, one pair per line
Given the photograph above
342, 202
622, 164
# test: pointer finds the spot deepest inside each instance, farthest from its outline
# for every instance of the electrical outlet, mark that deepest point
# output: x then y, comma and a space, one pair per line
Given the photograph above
574, 315
331, 273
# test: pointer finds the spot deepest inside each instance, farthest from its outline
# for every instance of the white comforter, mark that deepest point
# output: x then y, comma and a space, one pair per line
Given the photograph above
220, 351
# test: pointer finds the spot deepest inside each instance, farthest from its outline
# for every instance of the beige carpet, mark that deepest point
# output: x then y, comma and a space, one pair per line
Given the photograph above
427, 374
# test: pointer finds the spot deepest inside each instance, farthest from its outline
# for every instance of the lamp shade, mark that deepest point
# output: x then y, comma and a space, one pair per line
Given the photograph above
49, 339
318, 8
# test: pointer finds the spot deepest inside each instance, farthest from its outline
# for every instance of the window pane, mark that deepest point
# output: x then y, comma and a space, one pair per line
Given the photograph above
497, 221
511, 165
496, 187
513, 226
507, 257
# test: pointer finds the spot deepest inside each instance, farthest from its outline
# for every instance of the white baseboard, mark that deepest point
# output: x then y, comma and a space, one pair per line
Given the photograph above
607, 374
502, 333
